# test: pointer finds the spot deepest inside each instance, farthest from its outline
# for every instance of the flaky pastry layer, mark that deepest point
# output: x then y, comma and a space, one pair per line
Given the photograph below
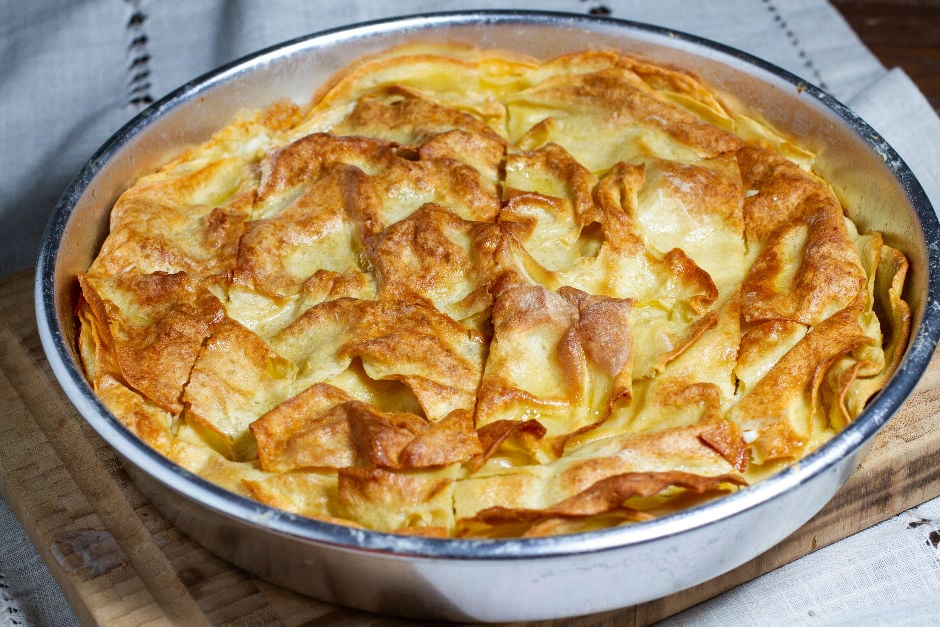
468, 293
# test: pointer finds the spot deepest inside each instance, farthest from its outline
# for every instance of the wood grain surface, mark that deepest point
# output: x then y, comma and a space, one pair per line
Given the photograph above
119, 561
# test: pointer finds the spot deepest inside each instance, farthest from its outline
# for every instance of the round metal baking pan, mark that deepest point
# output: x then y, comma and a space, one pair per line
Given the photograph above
493, 580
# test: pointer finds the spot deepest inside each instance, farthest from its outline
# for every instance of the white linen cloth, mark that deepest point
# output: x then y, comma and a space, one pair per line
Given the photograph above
73, 73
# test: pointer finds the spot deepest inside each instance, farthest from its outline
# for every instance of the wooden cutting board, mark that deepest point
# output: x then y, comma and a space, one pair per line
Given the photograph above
119, 561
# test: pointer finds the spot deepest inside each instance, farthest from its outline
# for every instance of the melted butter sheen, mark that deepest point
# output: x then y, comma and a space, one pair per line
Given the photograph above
468, 293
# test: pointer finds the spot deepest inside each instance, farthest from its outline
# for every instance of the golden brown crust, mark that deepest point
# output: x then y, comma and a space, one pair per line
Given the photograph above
606, 496
157, 337
467, 293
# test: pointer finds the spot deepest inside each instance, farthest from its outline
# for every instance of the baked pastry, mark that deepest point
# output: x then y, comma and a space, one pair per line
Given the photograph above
468, 293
